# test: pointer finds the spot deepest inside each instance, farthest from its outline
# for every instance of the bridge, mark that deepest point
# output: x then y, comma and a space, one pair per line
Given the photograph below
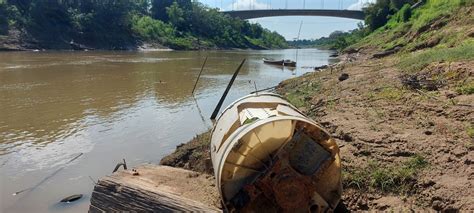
250, 9
250, 14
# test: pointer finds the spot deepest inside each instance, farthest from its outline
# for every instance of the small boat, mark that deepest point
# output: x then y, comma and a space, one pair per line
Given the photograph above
272, 61
289, 63
286, 63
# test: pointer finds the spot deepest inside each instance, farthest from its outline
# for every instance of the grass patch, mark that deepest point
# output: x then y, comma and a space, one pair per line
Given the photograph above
470, 131
466, 88
300, 95
398, 179
417, 61
387, 93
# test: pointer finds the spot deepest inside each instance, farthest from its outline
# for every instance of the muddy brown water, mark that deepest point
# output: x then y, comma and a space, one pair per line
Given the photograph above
110, 106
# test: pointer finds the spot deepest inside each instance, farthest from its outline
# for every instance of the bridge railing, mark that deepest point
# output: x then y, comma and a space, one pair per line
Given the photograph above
238, 5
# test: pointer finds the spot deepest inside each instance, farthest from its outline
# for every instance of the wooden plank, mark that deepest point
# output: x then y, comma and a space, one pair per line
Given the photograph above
155, 188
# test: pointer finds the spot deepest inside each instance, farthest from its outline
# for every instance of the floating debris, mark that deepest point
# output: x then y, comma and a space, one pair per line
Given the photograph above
71, 198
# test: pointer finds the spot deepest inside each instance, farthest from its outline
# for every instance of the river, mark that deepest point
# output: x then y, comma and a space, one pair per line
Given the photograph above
111, 106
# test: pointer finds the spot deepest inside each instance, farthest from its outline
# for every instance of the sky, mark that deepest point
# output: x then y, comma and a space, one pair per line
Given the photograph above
288, 26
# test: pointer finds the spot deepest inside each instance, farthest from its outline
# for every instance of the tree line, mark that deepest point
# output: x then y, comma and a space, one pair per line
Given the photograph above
122, 24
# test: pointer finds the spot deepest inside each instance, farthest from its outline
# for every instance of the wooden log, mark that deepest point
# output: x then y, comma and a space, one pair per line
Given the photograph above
155, 189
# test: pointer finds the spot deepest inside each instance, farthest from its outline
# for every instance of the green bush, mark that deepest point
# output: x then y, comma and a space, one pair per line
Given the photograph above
405, 13
151, 29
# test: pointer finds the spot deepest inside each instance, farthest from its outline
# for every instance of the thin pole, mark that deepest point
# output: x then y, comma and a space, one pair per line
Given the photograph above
221, 101
199, 76
299, 32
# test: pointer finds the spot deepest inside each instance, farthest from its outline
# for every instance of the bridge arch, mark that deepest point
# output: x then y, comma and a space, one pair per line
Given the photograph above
250, 14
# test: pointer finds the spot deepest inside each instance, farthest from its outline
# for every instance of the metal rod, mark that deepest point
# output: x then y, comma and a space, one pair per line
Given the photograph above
255, 85
269, 88
299, 32
199, 76
46, 178
221, 101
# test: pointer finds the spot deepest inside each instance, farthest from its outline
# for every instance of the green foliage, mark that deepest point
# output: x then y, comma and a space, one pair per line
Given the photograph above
9, 16
175, 14
337, 40
120, 24
299, 97
387, 93
3, 19
419, 60
470, 131
151, 29
466, 88
159, 8
398, 178
404, 14
434, 9
378, 13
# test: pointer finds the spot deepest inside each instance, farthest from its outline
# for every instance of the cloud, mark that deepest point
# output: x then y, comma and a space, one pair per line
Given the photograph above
248, 5
360, 4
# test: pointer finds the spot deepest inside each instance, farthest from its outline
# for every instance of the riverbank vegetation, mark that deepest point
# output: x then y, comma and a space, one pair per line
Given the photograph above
393, 16
126, 24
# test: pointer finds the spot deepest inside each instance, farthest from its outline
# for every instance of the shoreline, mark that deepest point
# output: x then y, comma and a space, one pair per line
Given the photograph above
375, 120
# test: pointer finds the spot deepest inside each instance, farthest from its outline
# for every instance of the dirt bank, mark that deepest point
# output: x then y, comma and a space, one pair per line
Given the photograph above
403, 148
17, 40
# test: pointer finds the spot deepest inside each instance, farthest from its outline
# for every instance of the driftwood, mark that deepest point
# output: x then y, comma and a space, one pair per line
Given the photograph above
155, 189
387, 52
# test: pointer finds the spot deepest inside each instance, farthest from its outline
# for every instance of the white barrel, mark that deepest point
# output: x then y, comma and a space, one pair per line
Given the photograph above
260, 132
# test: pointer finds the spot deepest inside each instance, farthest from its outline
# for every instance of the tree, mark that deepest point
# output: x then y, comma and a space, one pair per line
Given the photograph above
377, 14
3, 19
175, 14
158, 8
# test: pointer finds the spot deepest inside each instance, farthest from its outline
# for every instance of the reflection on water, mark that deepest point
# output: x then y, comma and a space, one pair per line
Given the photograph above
109, 106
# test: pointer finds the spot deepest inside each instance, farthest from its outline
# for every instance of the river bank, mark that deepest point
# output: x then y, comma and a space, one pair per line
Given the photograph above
17, 40
400, 106
402, 148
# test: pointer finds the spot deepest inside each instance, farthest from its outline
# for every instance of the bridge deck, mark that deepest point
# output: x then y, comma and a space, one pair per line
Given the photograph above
250, 14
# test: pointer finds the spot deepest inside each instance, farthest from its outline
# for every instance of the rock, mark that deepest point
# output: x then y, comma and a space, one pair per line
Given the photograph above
437, 205
468, 161
321, 67
427, 183
343, 77
333, 55
343, 136
351, 51
450, 95
459, 152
